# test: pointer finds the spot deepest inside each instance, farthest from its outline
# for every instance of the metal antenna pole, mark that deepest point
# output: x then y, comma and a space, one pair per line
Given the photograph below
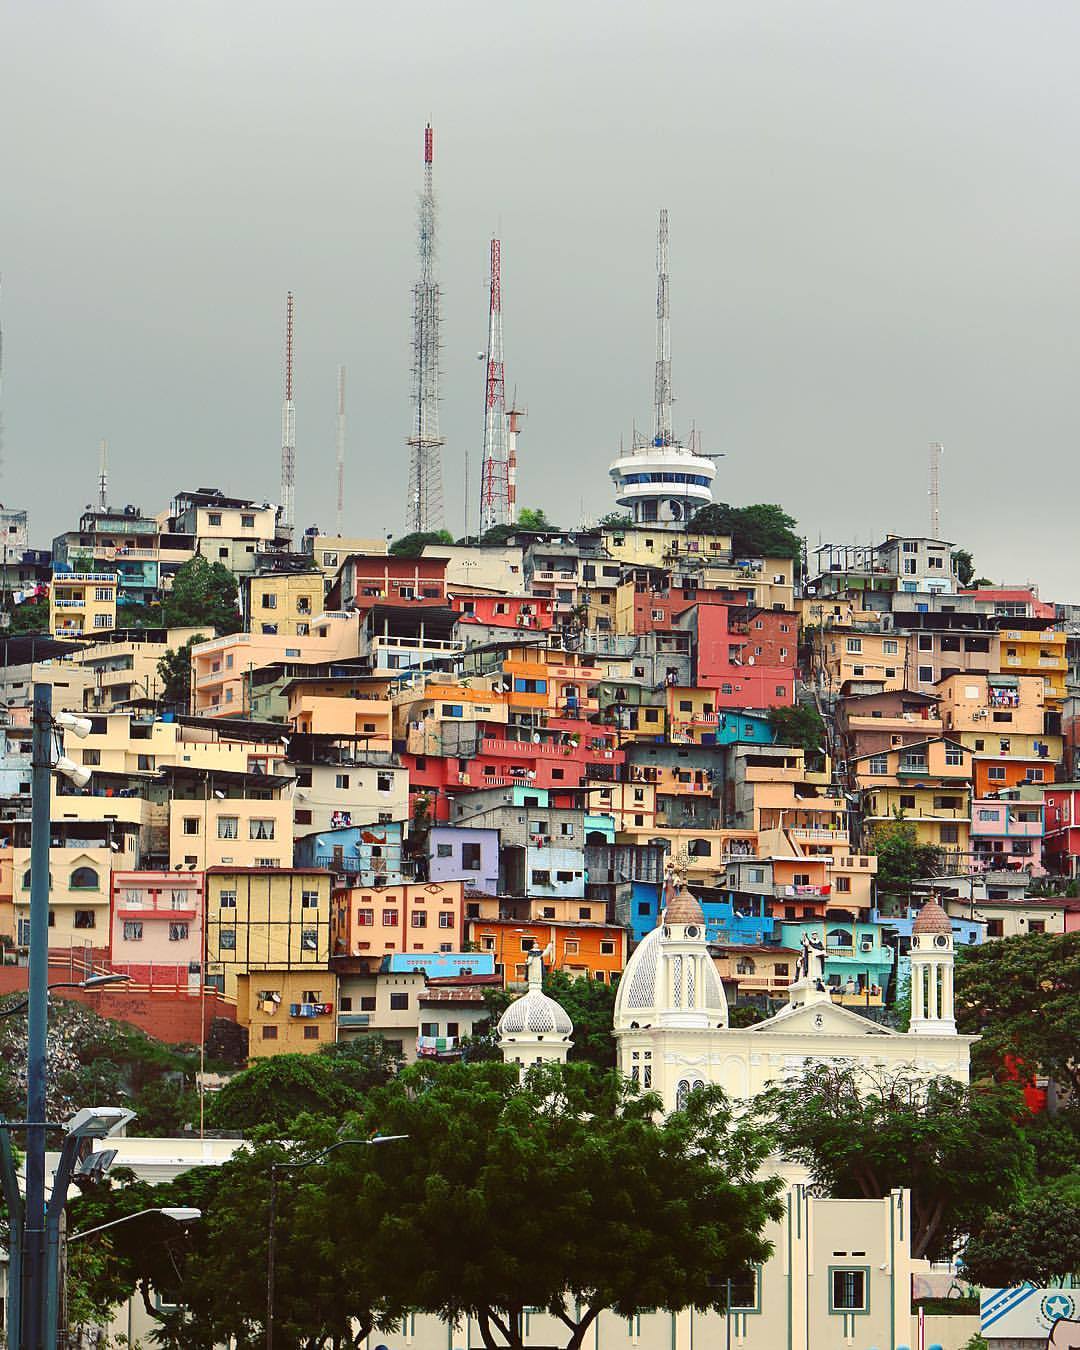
662, 429
494, 473
103, 476
340, 451
936, 451
424, 506
288, 426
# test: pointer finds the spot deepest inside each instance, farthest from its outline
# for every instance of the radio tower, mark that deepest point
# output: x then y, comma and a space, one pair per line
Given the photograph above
936, 451
288, 427
103, 476
513, 420
340, 449
424, 508
495, 472
662, 431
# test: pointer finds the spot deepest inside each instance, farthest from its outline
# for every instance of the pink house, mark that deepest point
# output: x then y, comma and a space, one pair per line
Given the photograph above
156, 927
1007, 835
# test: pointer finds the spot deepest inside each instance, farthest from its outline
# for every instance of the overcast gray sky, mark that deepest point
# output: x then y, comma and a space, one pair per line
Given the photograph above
873, 207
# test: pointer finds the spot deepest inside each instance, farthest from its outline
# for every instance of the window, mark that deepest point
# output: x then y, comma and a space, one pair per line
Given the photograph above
444, 850
311, 1033
890, 647
389, 918
419, 918
996, 773
907, 801
954, 756
384, 782
84, 879
950, 834
91, 757
1036, 925
399, 1002
228, 827
854, 646
843, 884
247, 522
744, 1292
878, 765
367, 1002
926, 642
260, 828
541, 878
607, 948
269, 600
214, 517
446, 921
848, 1293
926, 674
84, 918
309, 899
269, 1033
227, 900
132, 930
995, 928
365, 918
341, 781
178, 932
191, 825
309, 940
470, 857
227, 939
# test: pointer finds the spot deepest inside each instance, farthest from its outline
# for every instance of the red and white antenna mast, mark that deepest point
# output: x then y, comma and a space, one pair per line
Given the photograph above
288, 427
494, 475
513, 426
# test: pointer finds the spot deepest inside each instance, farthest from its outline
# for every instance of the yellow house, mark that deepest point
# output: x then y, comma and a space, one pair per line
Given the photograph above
261, 919
283, 603
638, 546
1028, 652
928, 783
287, 1011
329, 551
349, 706
220, 818
849, 658
80, 878
82, 603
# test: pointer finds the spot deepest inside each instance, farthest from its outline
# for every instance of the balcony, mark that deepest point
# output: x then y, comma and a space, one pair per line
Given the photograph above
865, 999
438, 1047
70, 604
353, 1019
310, 1009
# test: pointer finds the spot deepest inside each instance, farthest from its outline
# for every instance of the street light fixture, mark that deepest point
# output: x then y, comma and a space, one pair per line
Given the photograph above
271, 1236
179, 1214
91, 982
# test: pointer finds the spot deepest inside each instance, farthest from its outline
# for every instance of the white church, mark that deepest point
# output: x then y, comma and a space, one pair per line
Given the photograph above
671, 1016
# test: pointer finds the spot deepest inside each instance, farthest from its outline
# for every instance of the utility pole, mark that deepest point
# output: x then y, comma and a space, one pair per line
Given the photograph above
33, 1303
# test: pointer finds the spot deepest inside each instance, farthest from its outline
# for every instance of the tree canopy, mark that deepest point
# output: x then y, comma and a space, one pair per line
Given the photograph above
798, 725
412, 545
960, 1150
1037, 1241
174, 672
761, 531
562, 1191
590, 1005
202, 593
1020, 996
965, 566
902, 860
32, 616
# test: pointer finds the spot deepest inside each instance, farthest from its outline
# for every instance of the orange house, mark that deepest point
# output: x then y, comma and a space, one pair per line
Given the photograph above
991, 774
372, 922
592, 950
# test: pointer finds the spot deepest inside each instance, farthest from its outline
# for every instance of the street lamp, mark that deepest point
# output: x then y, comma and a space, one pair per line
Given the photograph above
179, 1213
91, 982
271, 1236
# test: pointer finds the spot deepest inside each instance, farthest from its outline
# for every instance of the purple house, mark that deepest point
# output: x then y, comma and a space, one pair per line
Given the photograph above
462, 853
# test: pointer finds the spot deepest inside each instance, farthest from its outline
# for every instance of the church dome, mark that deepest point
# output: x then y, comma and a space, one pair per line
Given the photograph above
932, 919
684, 907
535, 1014
670, 981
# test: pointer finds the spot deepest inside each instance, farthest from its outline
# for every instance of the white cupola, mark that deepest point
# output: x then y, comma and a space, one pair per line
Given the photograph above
671, 981
932, 973
535, 1029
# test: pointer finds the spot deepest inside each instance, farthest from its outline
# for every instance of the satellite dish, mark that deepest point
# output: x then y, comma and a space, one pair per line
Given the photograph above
479, 357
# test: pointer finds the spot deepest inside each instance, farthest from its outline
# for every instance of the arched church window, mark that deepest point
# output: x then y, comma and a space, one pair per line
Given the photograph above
682, 1094
676, 981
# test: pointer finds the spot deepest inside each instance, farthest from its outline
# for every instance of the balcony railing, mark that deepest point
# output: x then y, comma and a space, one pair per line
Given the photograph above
310, 1009
437, 1047
353, 1019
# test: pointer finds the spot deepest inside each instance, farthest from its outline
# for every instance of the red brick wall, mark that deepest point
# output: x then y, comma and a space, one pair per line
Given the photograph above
172, 1017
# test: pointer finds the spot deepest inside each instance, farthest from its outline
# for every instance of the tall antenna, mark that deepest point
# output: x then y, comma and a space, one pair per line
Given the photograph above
494, 473
662, 430
424, 507
340, 450
288, 426
103, 476
513, 419
936, 451
1, 396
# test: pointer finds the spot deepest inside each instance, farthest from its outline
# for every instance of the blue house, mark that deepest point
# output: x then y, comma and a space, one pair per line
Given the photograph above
368, 855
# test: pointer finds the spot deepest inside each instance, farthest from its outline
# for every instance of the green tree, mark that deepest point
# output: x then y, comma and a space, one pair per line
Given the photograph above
530, 518
761, 531
202, 593
412, 545
961, 1150
274, 1091
174, 672
32, 616
561, 1191
614, 519
798, 725
902, 860
1038, 1242
590, 1005
1020, 996
965, 566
